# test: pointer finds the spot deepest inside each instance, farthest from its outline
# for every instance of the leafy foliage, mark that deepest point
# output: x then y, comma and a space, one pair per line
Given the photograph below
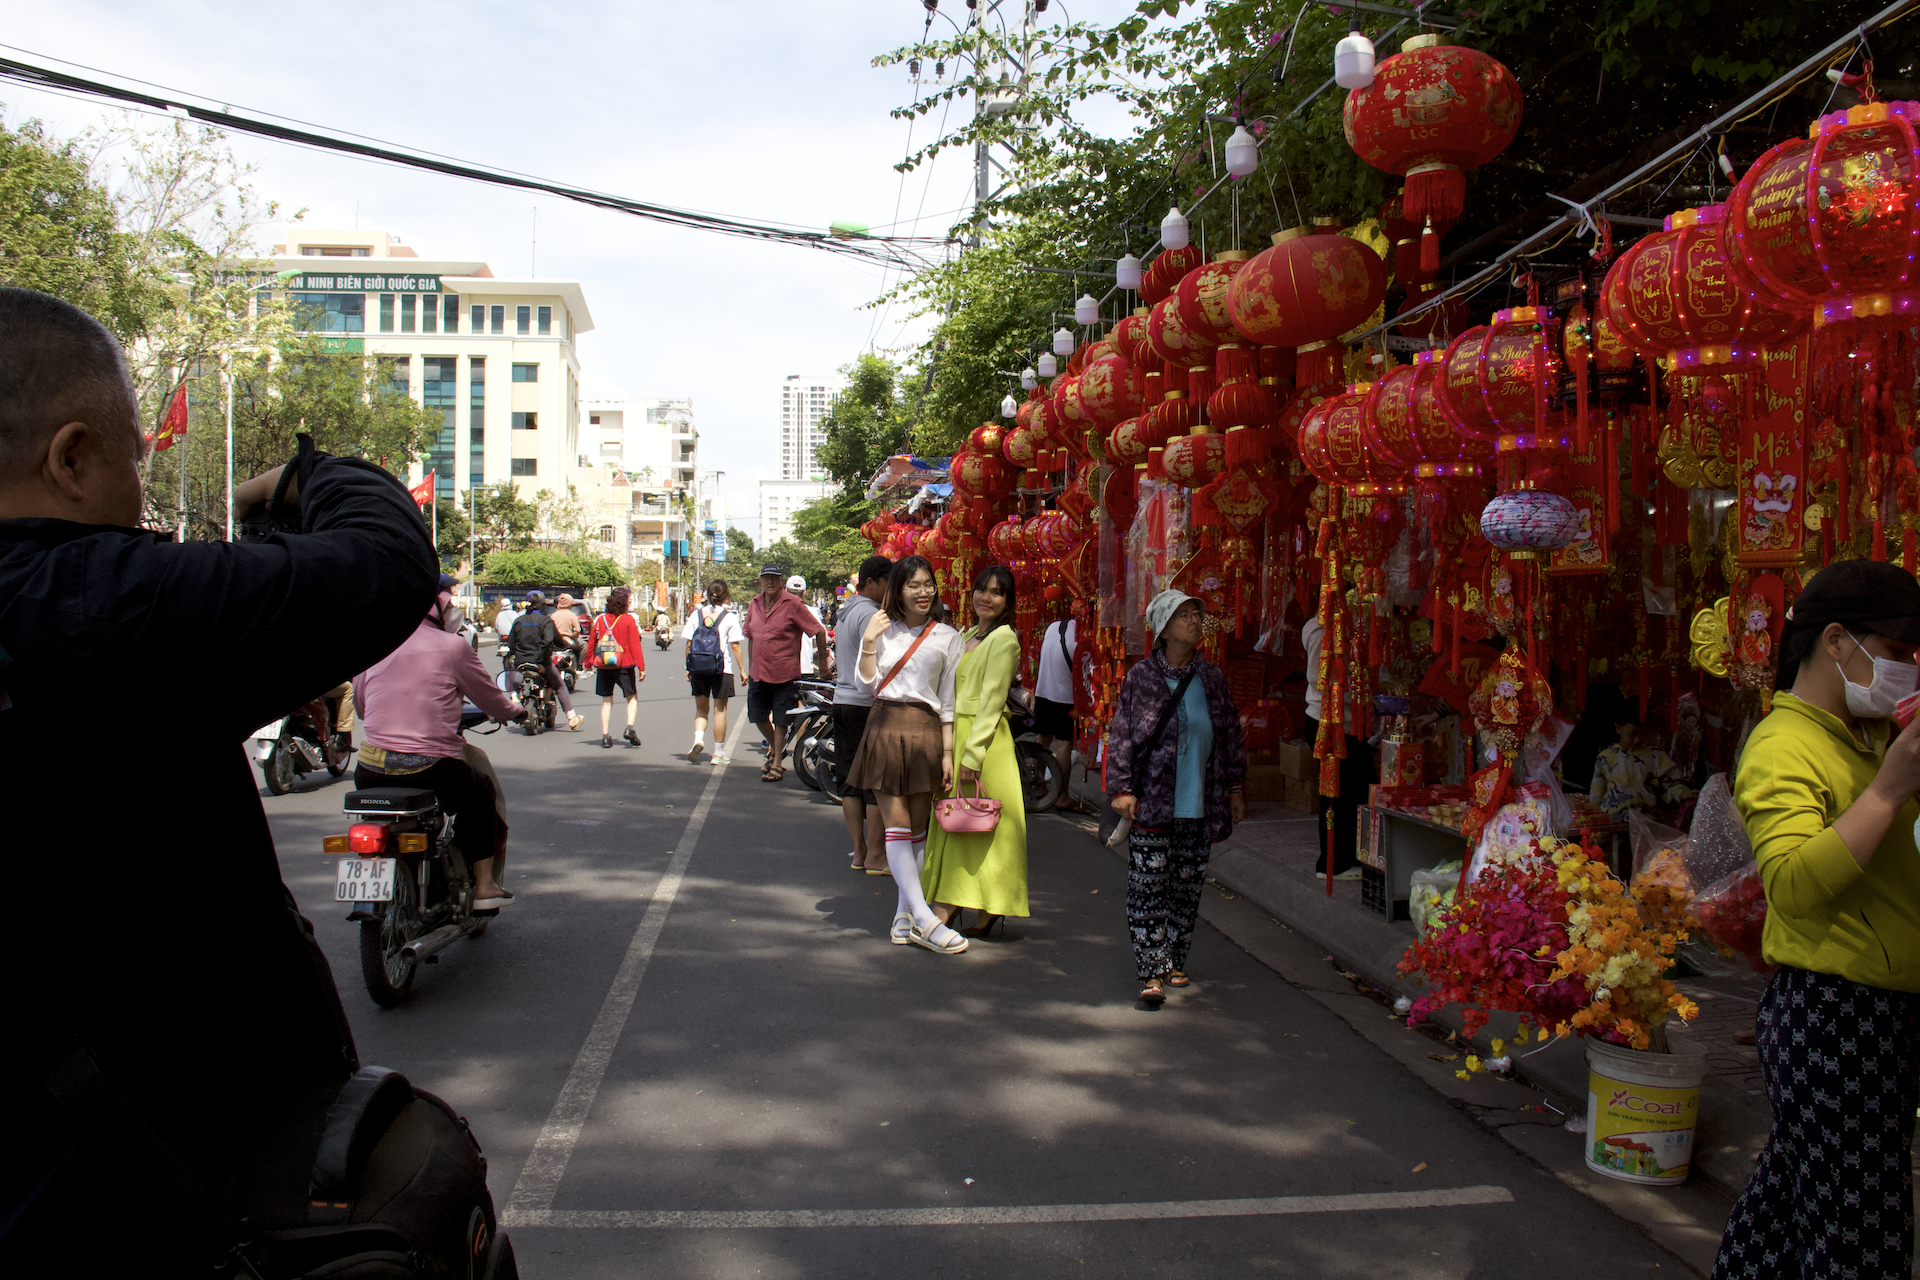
739, 545
869, 421
538, 567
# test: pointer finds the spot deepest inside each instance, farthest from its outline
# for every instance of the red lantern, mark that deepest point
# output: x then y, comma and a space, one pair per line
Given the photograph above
1180, 345
1130, 334
1125, 446
1241, 407
1194, 460
986, 438
1202, 297
1167, 271
1018, 448
1110, 391
1500, 382
1432, 111
1333, 444
1312, 286
1174, 416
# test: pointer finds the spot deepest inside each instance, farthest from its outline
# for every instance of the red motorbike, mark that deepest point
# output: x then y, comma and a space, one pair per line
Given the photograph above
300, 742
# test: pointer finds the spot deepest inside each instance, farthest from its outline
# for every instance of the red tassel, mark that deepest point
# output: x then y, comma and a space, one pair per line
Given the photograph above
1612, 464
1580, 412
1429, 251
1438, 613
1436, 196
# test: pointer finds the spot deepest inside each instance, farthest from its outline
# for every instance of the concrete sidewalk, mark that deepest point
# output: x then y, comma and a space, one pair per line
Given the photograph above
1270, 861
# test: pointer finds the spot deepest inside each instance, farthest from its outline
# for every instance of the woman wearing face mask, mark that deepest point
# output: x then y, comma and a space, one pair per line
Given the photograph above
1826, 787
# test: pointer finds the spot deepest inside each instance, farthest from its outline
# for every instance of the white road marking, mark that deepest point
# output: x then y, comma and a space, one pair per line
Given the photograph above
997, 1215
547, 1163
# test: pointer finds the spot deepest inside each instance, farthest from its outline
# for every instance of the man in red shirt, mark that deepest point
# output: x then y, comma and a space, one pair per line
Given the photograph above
775, 623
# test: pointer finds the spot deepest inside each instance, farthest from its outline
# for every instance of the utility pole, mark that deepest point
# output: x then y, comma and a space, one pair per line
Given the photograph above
989, 103
229, 449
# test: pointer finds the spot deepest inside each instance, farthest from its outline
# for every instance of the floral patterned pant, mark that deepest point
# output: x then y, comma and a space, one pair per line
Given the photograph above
1165, 869
1832, 1195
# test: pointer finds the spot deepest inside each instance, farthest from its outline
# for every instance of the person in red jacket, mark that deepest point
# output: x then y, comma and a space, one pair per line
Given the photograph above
628, 668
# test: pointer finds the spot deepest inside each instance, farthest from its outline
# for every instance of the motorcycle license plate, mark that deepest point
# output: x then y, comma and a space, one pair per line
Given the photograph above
364, 880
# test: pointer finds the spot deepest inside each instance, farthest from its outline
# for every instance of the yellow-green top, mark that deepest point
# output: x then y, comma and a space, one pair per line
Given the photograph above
1802, 768
980, 690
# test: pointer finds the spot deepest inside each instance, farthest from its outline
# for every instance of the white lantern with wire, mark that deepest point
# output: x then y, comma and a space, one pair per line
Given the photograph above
1048, 365
1029, 379
1243, 153
1173, 230
1086, 310
1063, 341
1126, 272
1352, 62
1009, 407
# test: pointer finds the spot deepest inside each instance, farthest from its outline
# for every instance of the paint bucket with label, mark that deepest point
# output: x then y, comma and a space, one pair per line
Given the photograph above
1641, 1112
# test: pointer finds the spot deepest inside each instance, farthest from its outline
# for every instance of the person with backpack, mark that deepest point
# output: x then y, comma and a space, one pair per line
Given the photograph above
533, 641
713, 641
613, 647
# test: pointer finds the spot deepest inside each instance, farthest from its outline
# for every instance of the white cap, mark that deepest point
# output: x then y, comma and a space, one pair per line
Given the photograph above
796, 583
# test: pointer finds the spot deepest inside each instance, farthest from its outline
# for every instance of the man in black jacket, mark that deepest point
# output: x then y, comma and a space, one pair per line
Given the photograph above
533, 641
146, 909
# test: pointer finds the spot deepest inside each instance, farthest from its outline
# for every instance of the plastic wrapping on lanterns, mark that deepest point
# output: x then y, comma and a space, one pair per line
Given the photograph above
1529, 519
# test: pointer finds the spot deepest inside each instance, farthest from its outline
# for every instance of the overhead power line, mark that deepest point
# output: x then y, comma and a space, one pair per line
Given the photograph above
906, 252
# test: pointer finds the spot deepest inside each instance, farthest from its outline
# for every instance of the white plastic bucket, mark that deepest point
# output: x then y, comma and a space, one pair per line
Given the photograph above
1642, 1109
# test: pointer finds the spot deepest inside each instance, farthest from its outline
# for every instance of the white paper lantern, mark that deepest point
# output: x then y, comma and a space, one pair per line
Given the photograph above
1353, 62
1243, 153
1063, 342
1173, 230
1009, 407
1048, 365
1029, 379
1126, 272
1086, 310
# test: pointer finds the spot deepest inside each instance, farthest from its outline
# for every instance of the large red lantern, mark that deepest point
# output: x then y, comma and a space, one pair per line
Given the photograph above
1110, 391
1500, 383
1432, 111
1124, 446
1018, 448
1333, 444
1130, 335
1202, 297
1195, 459
1177, 342
1167, 271
1312, 286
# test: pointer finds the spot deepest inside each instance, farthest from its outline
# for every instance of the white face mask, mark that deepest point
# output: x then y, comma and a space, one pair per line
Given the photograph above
1892, 681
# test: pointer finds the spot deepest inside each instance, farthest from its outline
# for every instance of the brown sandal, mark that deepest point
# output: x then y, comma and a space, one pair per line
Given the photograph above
1175, 978
1152, 992
772, 773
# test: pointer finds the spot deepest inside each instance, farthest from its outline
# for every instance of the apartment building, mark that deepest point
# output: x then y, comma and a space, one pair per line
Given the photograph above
804, 400
497, 356
644, 479
779, 499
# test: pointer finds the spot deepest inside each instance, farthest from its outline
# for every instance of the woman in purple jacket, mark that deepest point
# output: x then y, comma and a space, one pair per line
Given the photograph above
1175, 767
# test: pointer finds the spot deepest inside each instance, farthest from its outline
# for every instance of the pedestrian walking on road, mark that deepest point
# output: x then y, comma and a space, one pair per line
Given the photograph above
713, 658
910, 663
852, 705
1826, 787
1176, 766
775, 625
984, 870
619, 662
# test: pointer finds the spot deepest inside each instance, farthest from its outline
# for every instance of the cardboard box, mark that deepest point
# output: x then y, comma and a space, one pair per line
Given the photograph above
1296, 758
1265, 782
1303, 796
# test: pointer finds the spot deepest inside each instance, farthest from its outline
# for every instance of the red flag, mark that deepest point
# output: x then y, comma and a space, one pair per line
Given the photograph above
175, 423
423, 492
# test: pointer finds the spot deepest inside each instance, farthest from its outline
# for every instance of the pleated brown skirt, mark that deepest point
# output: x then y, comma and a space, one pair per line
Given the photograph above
900, 751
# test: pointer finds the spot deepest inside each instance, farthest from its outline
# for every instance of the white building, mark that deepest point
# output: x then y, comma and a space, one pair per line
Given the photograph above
644, 479
779, 499
497, 357
803, 402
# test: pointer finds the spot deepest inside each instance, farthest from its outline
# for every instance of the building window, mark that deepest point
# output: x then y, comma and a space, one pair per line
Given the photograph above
386, 313
479, 319
526, 466
429, 315
526, 422
476, 420
439, 389
546, 321
523, 320
408, 305
399, 372
497, 320
450, 312
606, 533
332, 312
529, 373
593, 419
333, 251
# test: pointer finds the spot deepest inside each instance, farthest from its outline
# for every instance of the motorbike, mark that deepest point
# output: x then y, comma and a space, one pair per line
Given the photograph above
569, 659
406, 880
529, 685
299, 742
662, 631
811, 734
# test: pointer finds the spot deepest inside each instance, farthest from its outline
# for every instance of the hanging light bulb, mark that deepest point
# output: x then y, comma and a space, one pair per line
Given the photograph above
1087, 310
1029, 379
1243, 153
1352, 62
1173, 229
1063, 341
1009, 407
1126, 272
1048, 365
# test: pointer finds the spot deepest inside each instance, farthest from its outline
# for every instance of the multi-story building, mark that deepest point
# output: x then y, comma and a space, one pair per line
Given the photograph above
803, 402
643, 481
497, 357
779, 499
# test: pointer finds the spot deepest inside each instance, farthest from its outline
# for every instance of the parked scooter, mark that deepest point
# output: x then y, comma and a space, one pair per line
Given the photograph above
298, 743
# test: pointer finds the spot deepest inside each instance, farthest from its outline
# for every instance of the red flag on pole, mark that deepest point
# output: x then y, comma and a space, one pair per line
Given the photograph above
175, 423
423, 492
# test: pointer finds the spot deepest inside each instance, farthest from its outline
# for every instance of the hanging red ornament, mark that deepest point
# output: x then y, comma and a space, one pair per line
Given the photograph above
1432, 111
1167, 271
1202, 297
1312, 286
1110, 391
1177, 342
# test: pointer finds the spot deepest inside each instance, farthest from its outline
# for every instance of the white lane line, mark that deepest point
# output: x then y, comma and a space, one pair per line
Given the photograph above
1002, 1215
547, 1164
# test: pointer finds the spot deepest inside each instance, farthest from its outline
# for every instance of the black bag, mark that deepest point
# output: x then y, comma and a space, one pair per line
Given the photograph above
704, 657
362, 1179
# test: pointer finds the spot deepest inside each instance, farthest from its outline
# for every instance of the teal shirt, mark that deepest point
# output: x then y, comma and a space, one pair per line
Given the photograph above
1196, 744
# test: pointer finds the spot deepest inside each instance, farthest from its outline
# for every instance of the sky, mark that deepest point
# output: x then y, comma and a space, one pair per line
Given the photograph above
752, 109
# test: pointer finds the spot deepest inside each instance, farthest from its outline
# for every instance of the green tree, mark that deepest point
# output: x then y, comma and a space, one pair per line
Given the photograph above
869, 421
539, 567
739, 545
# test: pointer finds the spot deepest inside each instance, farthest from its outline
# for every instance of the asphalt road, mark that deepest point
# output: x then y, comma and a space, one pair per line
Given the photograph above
690, 1051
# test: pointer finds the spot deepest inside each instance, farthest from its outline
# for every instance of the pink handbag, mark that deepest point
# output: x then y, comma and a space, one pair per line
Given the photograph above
967, 815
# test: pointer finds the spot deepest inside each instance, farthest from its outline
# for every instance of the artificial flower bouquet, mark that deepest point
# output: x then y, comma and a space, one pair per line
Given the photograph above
1552, 936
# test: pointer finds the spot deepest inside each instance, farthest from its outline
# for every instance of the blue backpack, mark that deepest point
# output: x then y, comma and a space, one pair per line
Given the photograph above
703, 651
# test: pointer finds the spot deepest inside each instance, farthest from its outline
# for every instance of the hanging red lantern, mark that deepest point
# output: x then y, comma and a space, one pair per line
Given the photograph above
1130, 334
1241, 407
1125, 446
1432, 111
1196, 458
1110, 391
1312, 286
1175, 415
986, 437
1500, 383
1167, 271
1333, 444
1177, 342
1202, 297
1018, 449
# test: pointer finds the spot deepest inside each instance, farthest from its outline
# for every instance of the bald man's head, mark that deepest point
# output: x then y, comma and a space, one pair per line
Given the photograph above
57, 365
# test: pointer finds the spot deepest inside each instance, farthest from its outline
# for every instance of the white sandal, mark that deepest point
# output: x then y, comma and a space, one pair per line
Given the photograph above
902, 932
954, 945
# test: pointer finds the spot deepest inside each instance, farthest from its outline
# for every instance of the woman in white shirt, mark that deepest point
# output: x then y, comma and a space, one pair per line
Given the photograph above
716, 625
906, 754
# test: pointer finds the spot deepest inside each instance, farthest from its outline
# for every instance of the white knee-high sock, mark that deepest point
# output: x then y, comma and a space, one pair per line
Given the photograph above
906, 874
